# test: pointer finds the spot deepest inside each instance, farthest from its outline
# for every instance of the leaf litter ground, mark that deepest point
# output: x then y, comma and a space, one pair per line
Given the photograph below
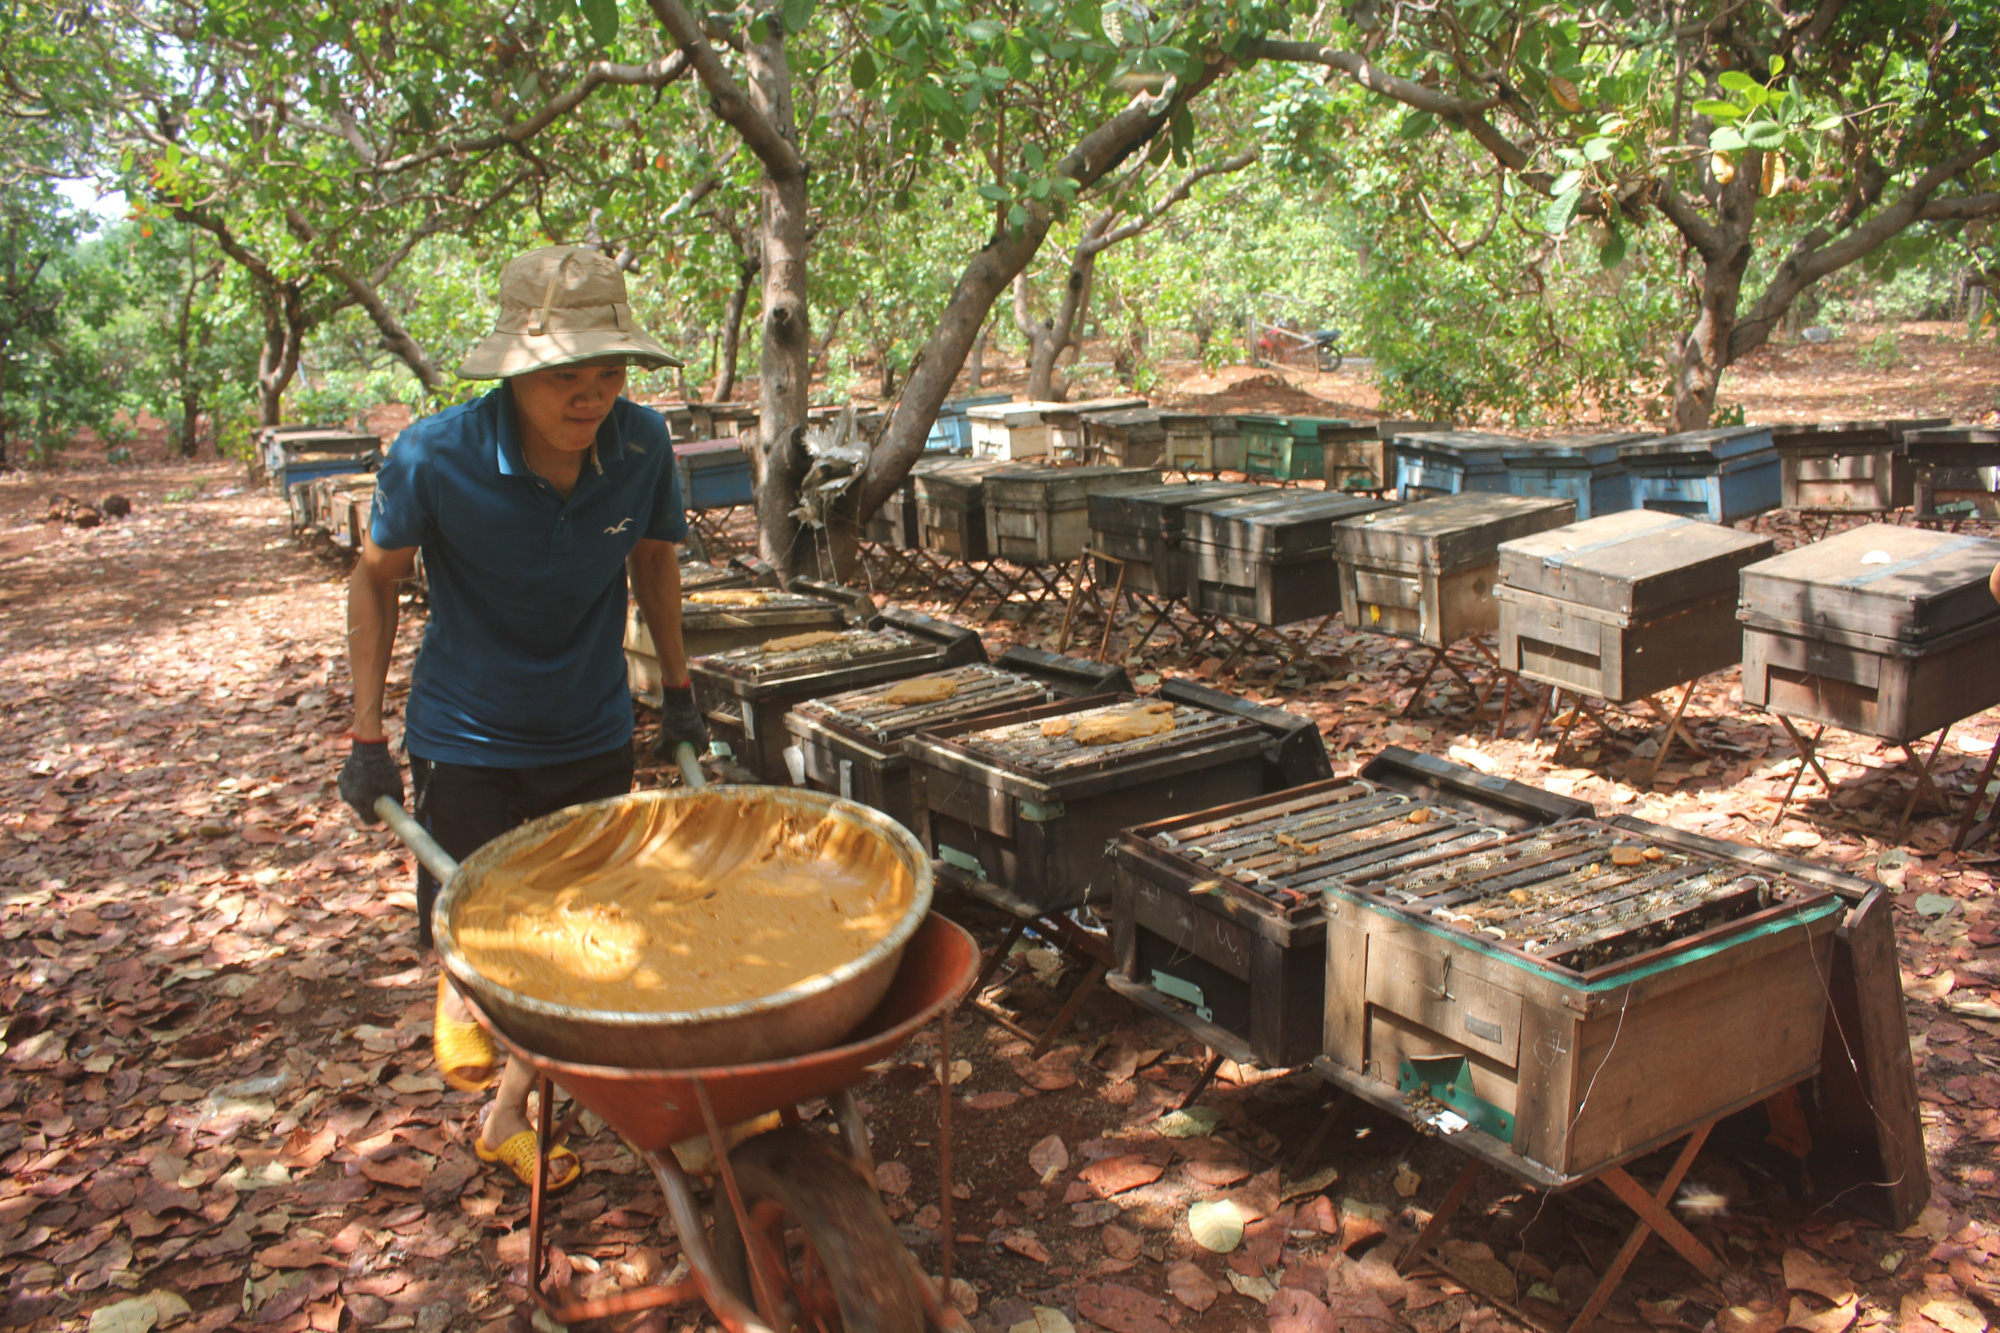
218, 1107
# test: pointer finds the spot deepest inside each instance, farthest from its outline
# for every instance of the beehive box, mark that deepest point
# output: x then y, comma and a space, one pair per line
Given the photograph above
1128, 437
352, 505
1008, 431
1578, 995
296, 455
951, 433
724, 616
1845, 467
1955, 471
1340, 452
1268, 558
713, 474
1429, 464
1585, 468
1623, 606
1018, 805
851, 744
951, 507
1041, 515
733, 421
1199, 442
745, 693
1886, 631
1145, 529
1722, 475
1217, 916
895, 523
1425, 571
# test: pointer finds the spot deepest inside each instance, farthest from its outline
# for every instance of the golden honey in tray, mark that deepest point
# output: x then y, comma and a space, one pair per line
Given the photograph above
668, 906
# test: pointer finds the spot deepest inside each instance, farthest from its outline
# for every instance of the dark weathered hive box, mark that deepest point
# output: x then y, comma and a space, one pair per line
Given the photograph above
1586, 468
746, 692
1146, 528
1029, 813
1128, 437
1956, 471
1623, 606
713, 474
1429, 464
1200, 442
1268, 558
895, 523
725, 615
951, 508
1425, 571
1721, 475
1886, 631
733, 421
1221, 909
851, 744
1845, 467
1041, 515
1577, 1011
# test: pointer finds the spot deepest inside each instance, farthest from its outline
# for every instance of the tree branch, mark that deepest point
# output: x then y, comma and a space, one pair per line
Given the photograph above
1962, 208
780, 158
1224, 167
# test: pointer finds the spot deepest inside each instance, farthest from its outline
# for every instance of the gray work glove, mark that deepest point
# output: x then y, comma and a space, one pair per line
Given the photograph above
680, 720
370, 772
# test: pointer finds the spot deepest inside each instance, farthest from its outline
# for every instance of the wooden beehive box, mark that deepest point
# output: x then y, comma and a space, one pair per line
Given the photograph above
1576, 1010
733, 421
1722, 475
723, 616
1883, 630
1191, 443
1220, 910
951, 507
1128, 437
1015, 803
1268, 558
1623, 606
851, 744
1845, 467
1429, 464
746, 692
951, 433
895, 523
1008, 431
1041, 515
1956, 471
1585, 468
1145, 528
1425, 571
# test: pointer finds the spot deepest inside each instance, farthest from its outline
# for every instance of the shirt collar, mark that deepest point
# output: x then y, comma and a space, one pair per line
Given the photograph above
610, 444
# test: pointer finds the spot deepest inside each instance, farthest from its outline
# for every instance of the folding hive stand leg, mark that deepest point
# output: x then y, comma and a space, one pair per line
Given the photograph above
1972, 804
1417, 691
1925, 780
1653, 1217
1673, 728
1809, 753
1454, 1199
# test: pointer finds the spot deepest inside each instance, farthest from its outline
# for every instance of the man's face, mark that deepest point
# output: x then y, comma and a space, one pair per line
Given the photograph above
564, 405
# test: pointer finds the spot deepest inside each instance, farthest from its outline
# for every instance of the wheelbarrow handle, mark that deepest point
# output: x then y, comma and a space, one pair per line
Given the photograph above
690, 766
417, 838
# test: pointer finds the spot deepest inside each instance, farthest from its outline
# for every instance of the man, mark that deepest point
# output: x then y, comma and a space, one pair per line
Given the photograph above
530, 506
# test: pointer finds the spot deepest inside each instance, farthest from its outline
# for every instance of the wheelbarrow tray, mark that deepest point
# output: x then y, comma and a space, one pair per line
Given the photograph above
653, 1109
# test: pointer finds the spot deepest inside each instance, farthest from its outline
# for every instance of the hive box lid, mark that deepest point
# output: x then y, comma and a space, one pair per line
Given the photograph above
1160, 509
872, 711
1719, 443
1279, 525
1954, 446
1630, 562
1033, 413
1459, 444
1036, 487
1843, 435
956, 482
1449, 533
1592, 447
1906, 585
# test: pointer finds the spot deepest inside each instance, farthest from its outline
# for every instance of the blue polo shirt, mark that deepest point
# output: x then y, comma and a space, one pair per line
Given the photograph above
523, 661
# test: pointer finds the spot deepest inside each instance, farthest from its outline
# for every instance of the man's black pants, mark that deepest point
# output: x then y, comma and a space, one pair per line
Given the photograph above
466, 807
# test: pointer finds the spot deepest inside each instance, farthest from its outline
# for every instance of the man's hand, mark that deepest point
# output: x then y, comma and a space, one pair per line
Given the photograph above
680, 721
370, 772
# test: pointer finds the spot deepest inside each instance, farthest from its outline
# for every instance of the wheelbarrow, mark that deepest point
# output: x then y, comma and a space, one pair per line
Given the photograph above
804, 1241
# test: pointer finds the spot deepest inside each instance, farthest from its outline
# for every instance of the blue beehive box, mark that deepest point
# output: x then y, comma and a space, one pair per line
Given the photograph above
1585, 468
714, 474
1721, 475
1429, 464
951, 433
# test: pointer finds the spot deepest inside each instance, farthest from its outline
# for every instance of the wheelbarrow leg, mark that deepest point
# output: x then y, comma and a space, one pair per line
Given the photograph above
686, 1214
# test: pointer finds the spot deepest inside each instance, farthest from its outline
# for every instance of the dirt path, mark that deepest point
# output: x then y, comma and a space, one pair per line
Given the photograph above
216, 1091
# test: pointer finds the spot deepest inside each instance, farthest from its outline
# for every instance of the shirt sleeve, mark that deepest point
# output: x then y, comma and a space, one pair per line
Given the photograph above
397, 519
669, 521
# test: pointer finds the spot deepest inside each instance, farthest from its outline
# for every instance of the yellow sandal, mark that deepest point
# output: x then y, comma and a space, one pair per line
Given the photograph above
518, 1155
466, 1056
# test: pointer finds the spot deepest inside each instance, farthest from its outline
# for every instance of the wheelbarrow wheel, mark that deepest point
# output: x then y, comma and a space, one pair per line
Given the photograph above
821, 1234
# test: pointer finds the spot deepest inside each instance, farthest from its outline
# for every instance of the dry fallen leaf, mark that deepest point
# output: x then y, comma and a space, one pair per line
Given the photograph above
1216, 1225
1191, 1286
1048, 1157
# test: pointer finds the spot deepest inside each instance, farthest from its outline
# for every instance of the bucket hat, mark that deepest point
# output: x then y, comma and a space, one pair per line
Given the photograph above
560, 305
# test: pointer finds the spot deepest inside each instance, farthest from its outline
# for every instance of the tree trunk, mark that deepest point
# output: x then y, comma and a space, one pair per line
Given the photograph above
732, 335
975, 370
885, 373
785, 368
1706, 351
190, 438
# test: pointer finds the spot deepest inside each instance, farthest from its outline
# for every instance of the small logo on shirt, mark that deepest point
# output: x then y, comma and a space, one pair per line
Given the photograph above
623, 524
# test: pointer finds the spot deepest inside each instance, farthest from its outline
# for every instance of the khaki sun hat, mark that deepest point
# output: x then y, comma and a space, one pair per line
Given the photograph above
560, 305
